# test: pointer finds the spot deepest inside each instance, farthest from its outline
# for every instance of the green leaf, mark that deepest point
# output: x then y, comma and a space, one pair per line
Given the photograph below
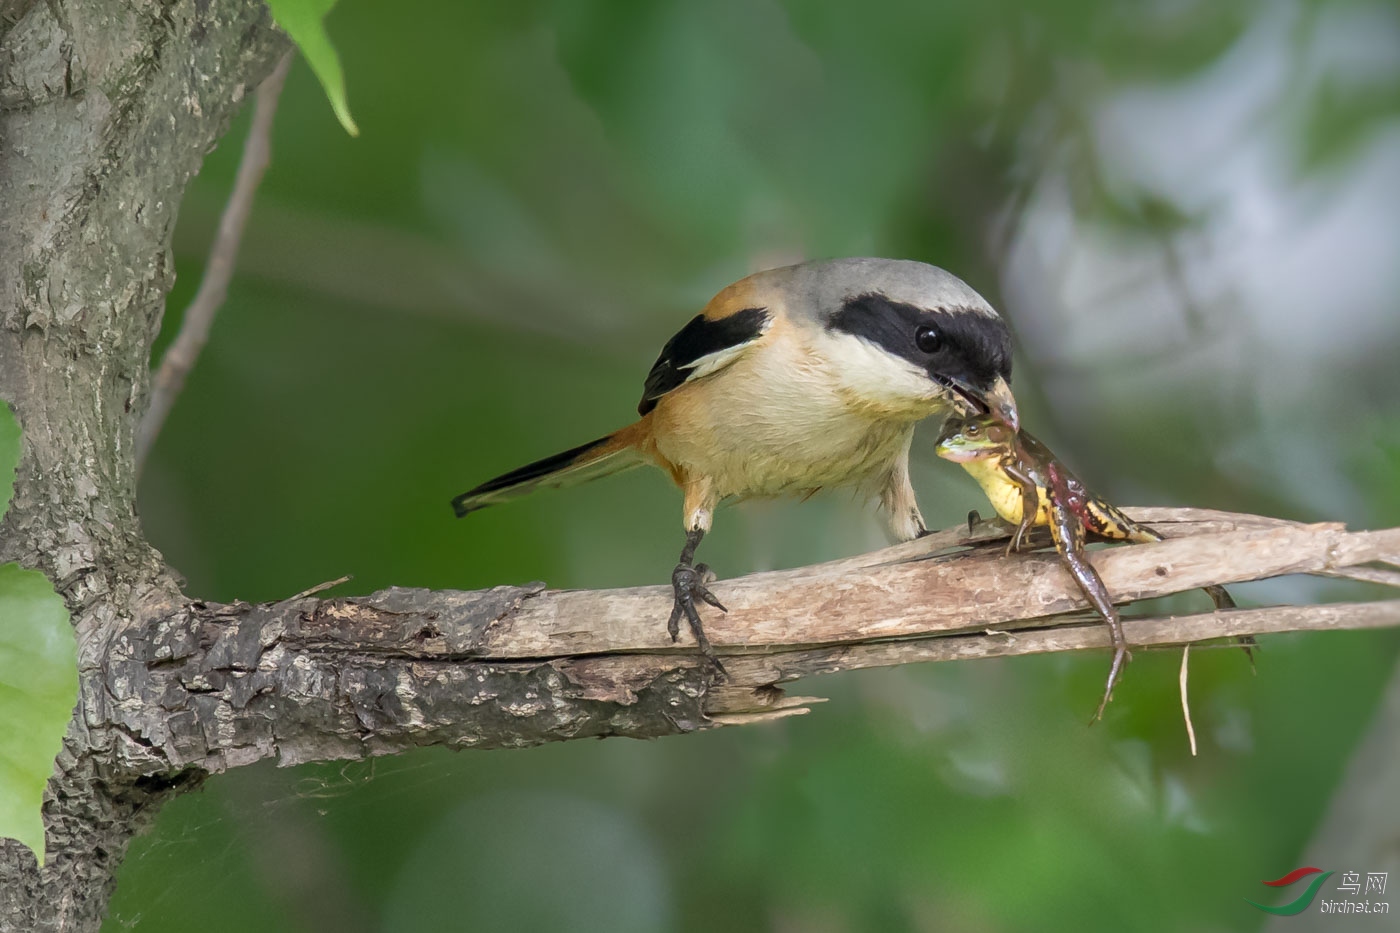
38, 689
304, 21
38, 675
9, 455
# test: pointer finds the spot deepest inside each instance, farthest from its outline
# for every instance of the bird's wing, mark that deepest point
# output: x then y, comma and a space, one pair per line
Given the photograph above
703, 346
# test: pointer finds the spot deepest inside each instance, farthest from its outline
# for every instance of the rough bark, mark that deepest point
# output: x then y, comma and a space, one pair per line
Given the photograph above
106, 110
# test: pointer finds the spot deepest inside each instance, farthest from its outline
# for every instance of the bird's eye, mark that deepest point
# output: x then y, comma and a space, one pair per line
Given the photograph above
928, 339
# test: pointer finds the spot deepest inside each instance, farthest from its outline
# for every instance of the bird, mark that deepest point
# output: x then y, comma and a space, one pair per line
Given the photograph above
793, 380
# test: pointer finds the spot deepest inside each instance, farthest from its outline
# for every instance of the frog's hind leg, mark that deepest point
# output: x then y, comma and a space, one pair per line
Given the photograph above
1068, 531
1098, 596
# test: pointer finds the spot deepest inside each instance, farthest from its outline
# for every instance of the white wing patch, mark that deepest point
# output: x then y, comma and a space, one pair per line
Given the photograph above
714, 362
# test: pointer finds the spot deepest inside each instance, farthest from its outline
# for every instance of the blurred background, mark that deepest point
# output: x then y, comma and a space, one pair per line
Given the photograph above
1188, 213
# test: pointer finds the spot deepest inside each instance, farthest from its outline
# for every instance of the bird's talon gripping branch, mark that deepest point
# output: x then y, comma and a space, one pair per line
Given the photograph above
688, 584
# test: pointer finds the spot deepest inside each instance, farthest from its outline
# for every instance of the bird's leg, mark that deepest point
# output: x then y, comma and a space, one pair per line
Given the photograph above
898, 502
688, 581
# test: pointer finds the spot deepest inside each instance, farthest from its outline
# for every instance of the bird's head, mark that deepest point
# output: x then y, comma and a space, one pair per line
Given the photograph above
907, 336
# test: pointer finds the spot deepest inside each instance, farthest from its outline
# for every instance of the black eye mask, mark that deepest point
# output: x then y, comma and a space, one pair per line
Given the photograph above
953, 345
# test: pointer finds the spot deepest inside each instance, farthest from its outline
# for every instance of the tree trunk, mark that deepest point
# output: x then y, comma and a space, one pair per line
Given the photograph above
106, 111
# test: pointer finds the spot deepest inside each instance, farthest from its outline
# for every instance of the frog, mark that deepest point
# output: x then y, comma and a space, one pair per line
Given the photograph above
1029, 487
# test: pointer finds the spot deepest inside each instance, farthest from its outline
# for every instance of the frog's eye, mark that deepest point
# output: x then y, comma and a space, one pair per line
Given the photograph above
972, 430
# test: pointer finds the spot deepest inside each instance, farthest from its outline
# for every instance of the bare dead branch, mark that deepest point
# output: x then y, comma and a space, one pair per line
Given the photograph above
175, 366
211, 687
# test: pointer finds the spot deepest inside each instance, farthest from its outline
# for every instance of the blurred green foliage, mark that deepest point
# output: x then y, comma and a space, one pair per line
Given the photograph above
541, 193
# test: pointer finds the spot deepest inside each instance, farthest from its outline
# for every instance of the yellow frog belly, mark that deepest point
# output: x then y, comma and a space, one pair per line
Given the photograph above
1003, 492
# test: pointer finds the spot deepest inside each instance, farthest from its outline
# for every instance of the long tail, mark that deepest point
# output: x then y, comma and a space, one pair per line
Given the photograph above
603, 457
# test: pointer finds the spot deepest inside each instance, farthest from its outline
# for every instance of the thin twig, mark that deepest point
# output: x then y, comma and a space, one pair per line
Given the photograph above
1185, 700
213, 288
322, 587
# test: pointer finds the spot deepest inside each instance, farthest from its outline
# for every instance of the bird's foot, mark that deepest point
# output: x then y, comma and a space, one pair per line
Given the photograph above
689, 583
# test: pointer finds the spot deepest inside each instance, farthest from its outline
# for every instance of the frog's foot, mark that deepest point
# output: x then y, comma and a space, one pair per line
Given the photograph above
1248, 644
1120, 657
1019, 540
1223, 601
688, 583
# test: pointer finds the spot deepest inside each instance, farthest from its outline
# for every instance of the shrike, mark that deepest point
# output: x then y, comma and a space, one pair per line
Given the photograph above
794, 380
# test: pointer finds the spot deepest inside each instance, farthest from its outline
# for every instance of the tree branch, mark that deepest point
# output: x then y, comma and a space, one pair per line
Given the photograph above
175, 366
213, 687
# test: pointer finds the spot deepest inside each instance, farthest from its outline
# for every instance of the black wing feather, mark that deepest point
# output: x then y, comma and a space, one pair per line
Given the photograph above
697, 339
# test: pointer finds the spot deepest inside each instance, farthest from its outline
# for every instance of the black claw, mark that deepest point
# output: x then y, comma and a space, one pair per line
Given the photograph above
709, 597
673, 625
720, 671
972, 519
